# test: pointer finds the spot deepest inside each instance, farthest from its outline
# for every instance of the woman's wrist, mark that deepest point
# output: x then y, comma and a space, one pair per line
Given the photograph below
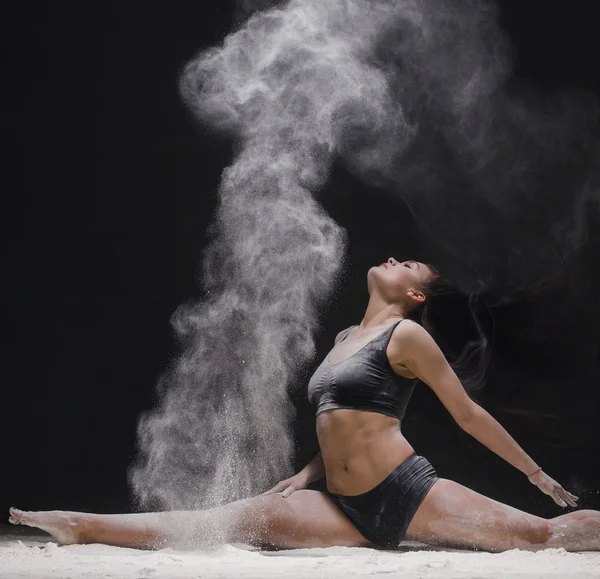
306, 476
536, 471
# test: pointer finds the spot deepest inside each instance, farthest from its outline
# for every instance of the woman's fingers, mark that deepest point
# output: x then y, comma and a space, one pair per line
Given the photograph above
288, 486
285, 487
559, 501
287, 492
553, 493
552, 488
277, 488
567, 497
562, 498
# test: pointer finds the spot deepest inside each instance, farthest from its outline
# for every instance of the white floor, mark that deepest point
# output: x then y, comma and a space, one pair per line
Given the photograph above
24, 556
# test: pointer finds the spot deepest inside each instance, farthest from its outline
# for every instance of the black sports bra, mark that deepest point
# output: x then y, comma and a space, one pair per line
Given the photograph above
363, 381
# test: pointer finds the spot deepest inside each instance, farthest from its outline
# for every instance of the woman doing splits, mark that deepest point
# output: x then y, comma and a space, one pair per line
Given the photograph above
379, 491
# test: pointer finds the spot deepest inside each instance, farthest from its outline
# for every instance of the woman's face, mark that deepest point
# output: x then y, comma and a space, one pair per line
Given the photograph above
399, 281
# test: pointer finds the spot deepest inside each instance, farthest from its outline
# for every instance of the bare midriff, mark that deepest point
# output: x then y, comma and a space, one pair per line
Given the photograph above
359, 449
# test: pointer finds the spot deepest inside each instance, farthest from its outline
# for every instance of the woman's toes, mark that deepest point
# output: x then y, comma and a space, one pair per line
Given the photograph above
15, 516
18, 517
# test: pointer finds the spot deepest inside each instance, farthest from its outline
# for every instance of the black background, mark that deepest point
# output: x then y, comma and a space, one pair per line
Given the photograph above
117, 186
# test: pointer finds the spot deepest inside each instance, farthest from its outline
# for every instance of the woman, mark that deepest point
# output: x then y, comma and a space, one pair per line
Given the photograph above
378, 490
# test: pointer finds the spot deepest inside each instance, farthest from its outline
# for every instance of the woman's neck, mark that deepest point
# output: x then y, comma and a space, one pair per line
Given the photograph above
379, 312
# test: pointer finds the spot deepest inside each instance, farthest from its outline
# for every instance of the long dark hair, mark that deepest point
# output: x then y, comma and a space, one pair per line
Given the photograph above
467, 346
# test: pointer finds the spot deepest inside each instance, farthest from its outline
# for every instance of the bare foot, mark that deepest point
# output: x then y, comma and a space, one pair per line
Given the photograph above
64, 526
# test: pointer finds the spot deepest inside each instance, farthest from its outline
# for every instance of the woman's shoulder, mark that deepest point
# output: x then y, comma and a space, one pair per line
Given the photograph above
341, 335
407, 341
409, 331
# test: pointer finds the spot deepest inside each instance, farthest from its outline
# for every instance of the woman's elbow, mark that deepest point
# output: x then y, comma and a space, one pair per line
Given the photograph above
467, 413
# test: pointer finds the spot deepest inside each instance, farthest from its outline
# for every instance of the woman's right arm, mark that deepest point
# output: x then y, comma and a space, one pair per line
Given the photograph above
313, 471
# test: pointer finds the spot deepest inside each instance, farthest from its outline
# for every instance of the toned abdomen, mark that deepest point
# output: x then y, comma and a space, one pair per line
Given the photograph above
360, 449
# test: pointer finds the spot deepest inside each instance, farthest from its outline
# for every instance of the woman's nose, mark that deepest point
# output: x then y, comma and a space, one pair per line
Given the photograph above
392, 261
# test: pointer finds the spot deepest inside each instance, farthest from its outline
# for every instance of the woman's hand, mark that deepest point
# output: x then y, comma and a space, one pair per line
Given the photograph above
549, 486
289, 485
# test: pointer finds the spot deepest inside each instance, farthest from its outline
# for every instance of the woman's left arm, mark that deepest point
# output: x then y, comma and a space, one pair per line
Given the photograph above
413, 347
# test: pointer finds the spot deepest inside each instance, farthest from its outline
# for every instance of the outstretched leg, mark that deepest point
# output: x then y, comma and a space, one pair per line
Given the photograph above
455, 516
304, 519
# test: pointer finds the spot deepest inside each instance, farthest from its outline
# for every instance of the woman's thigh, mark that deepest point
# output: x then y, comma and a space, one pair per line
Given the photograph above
453, 515
304, 519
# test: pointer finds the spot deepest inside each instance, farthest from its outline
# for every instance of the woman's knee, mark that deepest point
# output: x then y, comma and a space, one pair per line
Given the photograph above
256, 520
534, 535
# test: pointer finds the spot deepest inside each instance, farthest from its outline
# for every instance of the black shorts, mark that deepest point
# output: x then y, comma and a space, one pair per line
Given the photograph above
383, 513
